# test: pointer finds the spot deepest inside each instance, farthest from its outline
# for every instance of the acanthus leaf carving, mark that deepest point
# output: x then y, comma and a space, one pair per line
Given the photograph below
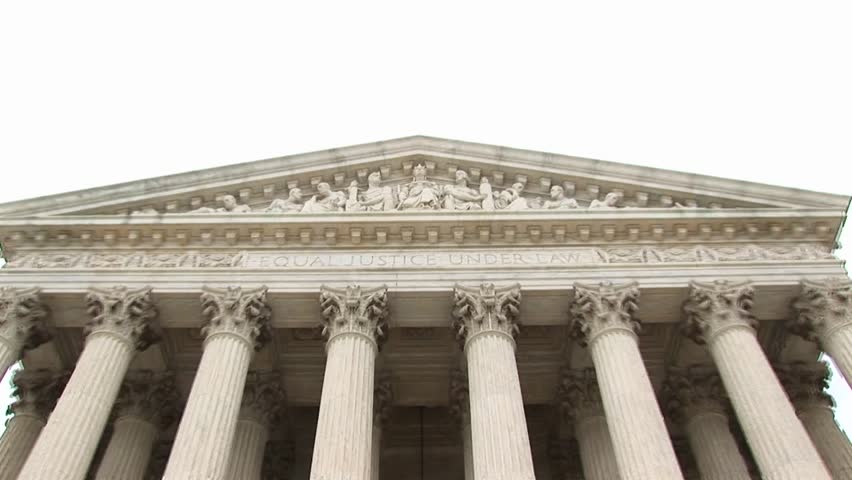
22, 317
486, 309
712, 308
604, 307
362, 311
806, 384
264, 398
578, 394
243, 312
822, 308
36, 392
691, 391
148, 395
128, 313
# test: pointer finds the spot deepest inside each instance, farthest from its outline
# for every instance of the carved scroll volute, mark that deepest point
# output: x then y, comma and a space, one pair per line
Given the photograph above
354, 310
715, 307
806, 384
22, 317
264, 398
151, 396
604, 307
36, 392
688, 392
236, 311
486, 309
578, 394
822, 307
127, 313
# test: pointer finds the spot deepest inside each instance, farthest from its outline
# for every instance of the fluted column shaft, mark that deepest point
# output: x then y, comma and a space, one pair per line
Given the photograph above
776, 437
129, 450
76, 424
343, 446
838, 345
714, 447
501, 446
247, 453
467, 445
639, 436
376, 452
10, 352
596, 452
353, 319
17, 441
830, 441
206, 433
236, 324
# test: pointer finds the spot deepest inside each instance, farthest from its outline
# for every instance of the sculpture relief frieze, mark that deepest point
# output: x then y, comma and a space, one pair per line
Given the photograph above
244, 259
460, 192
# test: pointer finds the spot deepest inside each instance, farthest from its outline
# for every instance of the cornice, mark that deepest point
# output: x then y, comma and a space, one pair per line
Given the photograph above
403, 229
350, 159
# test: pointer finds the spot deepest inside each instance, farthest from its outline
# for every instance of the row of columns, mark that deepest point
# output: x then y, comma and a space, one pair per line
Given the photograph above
486, 320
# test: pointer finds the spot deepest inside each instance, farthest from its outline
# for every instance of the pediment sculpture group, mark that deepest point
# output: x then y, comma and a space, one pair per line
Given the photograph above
420, 194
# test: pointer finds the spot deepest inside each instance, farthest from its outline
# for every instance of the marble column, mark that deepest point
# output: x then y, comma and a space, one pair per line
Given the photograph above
603, 317
805, 385
122, 324
460, 410
21, 324
35, 394
486, 319
354, 320
146, 404
261, 409
824, 315
382, 403
236, 325
695, 399
580, 401
719, 315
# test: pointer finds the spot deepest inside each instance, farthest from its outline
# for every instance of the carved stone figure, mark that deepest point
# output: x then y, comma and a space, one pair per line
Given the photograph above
460, 196
558, 200
511, 199
229, 205
610, 201
420, 193
293, 203
375, 199
325, 200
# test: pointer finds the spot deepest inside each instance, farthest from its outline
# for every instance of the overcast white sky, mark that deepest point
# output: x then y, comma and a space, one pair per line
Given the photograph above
93, 93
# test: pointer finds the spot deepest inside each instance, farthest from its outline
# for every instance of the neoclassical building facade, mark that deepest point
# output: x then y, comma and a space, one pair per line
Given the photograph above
423, 308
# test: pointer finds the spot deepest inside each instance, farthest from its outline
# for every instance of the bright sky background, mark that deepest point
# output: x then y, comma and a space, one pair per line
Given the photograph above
93, 93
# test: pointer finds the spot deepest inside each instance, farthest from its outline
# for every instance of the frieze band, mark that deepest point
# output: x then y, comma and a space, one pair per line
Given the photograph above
484, 258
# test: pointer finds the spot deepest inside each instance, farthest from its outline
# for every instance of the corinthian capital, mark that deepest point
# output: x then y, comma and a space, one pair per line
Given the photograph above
822, 307
22, 317
805, 384
578, 394
36, 392
264, 398
691, 391
237, 311
128, 313
354, 310
714, 307
486, 308
149, 395
600, 308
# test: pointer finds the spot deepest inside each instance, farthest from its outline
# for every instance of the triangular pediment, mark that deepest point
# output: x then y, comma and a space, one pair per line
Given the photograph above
451, 175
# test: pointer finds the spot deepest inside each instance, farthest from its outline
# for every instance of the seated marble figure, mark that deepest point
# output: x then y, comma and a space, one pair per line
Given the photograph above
420, 193
229, 205
293, 203
326, 200
375, 199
